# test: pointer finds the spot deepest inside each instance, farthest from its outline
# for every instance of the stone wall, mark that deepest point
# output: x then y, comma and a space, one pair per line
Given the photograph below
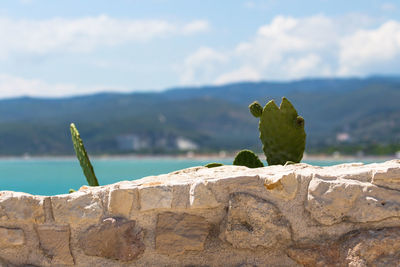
296, 215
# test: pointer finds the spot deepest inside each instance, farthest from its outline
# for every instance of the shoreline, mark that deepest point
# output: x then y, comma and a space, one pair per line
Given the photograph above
230, 156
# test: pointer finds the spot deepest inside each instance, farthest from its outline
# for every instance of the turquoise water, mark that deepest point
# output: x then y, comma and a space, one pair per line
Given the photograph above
57, 176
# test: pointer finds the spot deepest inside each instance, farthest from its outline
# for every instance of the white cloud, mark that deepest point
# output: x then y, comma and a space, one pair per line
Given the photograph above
13, 86
196, 26
84, 34
245, 73
199, 66
388, 7
306, 66
365, 48
292, 48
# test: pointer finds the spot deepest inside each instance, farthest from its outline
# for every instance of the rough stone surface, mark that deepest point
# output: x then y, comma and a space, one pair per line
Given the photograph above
80, 207
388, 177
54, 241
380, 247
155, 197
121, 201
252, 222
21, 207
283, 186
202, 197
113, 238
11, 237
332, 201
180, 196
177, 233
295, 215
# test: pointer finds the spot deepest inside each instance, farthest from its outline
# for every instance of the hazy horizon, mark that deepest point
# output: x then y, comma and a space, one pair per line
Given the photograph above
110, 91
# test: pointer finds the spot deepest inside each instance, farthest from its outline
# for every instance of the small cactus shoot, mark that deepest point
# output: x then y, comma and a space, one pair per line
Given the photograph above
256, 109
281, 132
247, 158
83, 157
213, 165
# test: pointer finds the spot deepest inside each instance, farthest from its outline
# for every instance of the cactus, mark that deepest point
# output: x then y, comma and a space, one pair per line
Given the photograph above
83, 157
247, 158
281, 132
213, 165
256, 109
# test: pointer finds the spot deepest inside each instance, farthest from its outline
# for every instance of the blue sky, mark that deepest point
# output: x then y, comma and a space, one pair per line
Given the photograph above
66, 47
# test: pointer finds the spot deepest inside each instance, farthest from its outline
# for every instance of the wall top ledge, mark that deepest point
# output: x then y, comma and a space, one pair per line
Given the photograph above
295, 215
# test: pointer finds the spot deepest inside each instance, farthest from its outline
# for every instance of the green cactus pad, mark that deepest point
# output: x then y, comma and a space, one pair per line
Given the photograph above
247, 158
213, 165
282, 133
256, 109
83, 157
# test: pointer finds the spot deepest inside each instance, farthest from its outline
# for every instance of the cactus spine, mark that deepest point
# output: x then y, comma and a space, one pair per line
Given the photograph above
247, 158
83, 157
281, 132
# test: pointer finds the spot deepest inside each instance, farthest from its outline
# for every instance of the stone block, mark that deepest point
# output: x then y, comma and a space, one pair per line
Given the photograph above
113, 238
21, 207
180, 232
77, 208
155, 197
121, 201
374, 247
282, 186
10, 237
332, 201
54, 241
387, 177
180, 196
201, 196
253, 222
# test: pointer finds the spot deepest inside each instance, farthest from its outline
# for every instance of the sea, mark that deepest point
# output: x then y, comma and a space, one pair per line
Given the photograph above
46, 176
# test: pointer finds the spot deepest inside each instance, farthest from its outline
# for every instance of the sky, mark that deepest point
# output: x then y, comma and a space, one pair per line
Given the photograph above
70, 47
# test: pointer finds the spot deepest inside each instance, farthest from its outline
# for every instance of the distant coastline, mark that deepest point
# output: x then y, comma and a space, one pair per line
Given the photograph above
207, 119
214, 156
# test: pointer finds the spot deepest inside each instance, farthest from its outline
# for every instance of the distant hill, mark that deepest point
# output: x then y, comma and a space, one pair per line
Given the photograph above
339, 113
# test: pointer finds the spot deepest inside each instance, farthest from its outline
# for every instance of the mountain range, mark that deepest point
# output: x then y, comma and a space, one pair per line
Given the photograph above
361, 114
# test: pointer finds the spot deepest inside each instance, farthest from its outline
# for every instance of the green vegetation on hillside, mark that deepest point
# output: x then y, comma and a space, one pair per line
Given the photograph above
345, 115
